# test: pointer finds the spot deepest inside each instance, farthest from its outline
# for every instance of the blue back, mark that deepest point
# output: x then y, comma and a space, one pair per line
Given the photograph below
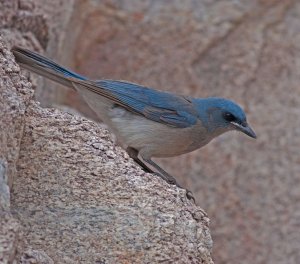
163, 107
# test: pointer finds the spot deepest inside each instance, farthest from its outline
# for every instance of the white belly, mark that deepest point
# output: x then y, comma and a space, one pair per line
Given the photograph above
157, 139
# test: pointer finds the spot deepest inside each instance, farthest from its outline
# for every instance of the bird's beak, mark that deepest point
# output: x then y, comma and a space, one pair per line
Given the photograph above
245, 128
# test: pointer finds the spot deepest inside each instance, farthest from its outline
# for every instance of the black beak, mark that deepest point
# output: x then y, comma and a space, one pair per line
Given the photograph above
245, 128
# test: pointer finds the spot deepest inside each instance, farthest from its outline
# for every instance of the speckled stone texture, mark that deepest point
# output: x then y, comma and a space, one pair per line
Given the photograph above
11, 239
15, 92
20, 24
12, 106
81, 199
15, 95
248, 51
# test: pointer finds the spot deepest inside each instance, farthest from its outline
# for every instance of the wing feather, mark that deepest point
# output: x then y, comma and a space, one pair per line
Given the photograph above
163, 107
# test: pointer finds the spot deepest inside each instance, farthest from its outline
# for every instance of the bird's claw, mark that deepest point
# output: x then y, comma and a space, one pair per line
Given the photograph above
190, 196
172, 181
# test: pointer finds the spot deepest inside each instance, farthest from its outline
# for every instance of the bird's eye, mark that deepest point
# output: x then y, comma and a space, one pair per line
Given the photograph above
228, 117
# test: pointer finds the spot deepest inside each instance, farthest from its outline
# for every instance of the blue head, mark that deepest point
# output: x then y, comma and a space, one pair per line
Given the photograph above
219, 115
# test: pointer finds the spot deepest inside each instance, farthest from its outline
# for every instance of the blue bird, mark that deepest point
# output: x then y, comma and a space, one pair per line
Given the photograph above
148, 123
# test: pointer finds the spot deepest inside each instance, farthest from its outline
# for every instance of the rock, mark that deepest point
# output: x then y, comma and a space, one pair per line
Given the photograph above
4, 189
80, 203
15, 92
11, 239
32, 256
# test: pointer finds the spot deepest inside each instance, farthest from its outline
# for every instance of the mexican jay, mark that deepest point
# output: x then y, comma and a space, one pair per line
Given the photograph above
148, 123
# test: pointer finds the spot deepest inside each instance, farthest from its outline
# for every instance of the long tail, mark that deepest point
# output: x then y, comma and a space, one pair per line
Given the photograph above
45, 67
92, 91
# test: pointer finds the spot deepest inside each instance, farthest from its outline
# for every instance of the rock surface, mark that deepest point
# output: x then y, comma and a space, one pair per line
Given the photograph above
11, 238
21, 23
15, 92
77, 192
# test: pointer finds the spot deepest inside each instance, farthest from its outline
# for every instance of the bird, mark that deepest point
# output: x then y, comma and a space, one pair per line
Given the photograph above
148, 123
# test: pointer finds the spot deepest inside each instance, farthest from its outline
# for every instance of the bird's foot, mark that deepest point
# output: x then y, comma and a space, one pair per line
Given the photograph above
171, 180
190, 196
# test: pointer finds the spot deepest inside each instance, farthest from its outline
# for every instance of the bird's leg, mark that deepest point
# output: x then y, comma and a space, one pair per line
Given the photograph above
163, 174
133, 153
169, 179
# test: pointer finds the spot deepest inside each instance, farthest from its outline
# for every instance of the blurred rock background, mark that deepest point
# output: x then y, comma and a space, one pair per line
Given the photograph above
248, 51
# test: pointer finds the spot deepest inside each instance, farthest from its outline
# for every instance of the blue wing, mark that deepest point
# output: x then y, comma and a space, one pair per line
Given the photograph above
163, 107
166, 108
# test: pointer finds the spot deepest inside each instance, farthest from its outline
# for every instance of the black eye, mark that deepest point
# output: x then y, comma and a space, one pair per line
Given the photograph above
228, 117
